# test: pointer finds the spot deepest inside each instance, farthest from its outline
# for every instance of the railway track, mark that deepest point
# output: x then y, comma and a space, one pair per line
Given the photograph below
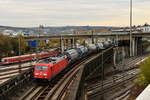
126, 65
32, 93
106, 87
109, 80
56, 89
9, 71
131, 62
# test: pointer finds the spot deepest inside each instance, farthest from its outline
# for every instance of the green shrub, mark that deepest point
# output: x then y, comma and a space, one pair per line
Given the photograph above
141, 81
144, 78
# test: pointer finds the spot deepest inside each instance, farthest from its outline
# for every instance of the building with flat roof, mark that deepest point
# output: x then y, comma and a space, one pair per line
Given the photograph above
145, 28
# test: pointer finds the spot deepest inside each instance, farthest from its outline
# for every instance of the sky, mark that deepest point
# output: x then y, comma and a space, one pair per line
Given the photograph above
31, 13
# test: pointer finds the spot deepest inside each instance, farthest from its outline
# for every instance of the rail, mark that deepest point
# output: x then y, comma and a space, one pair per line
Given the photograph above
15, 83
110, 86
119, 79
7, 72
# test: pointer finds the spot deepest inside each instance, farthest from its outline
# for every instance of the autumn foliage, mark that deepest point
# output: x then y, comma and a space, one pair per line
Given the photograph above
9, 46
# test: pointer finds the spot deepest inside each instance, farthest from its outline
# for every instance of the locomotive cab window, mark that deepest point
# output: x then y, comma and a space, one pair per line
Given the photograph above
4, 60
41, 68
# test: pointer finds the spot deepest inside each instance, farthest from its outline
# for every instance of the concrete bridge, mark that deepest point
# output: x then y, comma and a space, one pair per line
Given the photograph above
119, 36
92, 35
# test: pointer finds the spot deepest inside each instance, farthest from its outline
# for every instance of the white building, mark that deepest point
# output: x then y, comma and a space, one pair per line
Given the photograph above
145, 28
8, 32
13, 33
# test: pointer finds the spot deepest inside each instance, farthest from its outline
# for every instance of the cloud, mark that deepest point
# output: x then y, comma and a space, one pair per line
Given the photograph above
70, 12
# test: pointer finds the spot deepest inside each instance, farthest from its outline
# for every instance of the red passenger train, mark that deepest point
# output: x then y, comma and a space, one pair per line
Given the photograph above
28, 57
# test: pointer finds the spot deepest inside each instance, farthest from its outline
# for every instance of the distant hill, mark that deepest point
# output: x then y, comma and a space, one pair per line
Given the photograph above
78, 27
61, 27
11, 28
58, 29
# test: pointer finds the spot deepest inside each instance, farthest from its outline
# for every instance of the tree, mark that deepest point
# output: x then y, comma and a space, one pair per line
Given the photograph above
144, 78
23, 43
53, 43
145, 68
146, 24
9, 46
42, 44
14, 44
5, 45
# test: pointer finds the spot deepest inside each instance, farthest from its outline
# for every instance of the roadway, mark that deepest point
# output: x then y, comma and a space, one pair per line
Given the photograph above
99, 35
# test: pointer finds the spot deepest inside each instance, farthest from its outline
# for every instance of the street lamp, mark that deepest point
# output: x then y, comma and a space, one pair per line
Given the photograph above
130, 28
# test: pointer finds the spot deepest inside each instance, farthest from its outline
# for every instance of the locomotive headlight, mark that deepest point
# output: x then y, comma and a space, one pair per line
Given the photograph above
44, 74
36, 73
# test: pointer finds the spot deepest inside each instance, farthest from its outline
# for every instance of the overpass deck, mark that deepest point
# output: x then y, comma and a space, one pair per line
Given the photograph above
93, 35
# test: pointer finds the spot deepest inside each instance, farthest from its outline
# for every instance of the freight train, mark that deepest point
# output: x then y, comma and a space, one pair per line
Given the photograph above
48, 68
29, 57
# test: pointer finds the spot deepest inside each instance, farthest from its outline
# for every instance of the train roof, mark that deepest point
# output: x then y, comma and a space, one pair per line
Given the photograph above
19, 56
30, 54
48, 51
71, 50
52, 60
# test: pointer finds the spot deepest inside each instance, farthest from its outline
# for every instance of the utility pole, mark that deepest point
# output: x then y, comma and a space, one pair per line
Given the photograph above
37, 43
61, 44
130, 28
19, 43
39, 30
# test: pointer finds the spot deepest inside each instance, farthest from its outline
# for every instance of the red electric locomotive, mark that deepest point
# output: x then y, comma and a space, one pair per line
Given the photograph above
50, 67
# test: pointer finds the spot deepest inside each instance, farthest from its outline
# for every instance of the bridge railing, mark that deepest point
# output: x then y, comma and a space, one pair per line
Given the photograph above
86, 71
